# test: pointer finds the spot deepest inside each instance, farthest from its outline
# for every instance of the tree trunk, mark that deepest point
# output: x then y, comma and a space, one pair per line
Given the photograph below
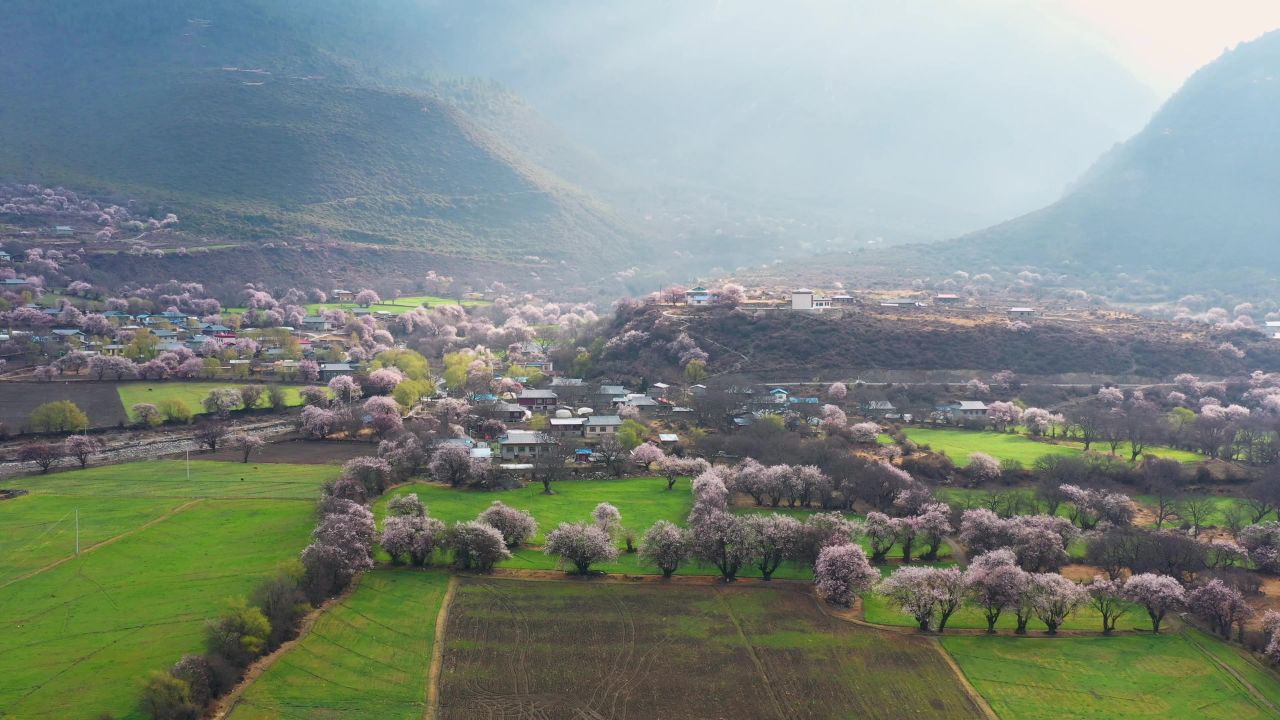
1155, 622
924, 625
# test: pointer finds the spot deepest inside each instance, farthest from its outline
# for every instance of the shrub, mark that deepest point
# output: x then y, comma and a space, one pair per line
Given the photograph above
165, 697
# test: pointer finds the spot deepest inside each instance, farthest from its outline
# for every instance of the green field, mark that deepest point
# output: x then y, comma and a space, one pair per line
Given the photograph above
592, 650
959, 444
1123, 677
191, 393
365, 657
76, 638
398, 306
642, 502
170, 479
392, 305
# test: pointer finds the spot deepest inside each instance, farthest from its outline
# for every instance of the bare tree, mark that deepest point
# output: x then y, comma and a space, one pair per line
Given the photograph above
613, 453
1195, 509
550, 464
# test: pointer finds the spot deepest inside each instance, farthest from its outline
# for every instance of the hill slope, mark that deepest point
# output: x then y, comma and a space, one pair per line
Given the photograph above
912, 120
254, 117
1193, 194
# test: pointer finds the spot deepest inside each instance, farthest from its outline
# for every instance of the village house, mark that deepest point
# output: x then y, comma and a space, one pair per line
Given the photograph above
698, 296
5, 257
1022, 312
645, 405
878, 408
524, 444
566, 426
946, 299
64, 231
901, 303
537, 400
601, 426
329, 371
963, 410
804, 299
341, 295
658, 390
316, 323
608, 395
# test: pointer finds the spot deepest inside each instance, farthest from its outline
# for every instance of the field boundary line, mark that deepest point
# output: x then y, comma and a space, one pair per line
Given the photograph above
983, 706
116, 538
227, 703
437, 652
755, 659
1248, 686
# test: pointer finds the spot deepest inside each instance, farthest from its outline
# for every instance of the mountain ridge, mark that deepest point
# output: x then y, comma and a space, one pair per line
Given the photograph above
228, 113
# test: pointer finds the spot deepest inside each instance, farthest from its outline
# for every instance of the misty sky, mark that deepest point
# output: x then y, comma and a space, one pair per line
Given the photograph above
1164, 41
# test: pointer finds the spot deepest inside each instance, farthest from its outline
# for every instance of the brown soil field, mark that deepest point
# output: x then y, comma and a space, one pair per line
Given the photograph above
299, 452
100, 401
518, 649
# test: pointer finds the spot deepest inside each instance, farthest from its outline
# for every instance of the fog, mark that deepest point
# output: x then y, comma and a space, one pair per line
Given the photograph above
932, 117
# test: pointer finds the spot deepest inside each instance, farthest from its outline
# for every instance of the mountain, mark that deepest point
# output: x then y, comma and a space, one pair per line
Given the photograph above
1190, 200
265, 118
910, 120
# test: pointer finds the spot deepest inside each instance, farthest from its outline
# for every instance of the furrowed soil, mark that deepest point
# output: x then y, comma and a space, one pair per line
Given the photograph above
99, 401
518, 649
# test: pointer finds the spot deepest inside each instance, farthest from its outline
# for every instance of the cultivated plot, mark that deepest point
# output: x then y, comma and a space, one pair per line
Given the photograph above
518, 649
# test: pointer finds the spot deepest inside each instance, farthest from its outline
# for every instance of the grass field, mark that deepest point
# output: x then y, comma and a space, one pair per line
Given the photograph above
678, 651
394, 306
959, 444
191, 393
1124, 677
398, 306
366, 657
642, 502
76, 638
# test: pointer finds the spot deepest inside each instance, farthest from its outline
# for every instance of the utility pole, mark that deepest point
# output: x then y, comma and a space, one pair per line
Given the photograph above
188, 464
77, 532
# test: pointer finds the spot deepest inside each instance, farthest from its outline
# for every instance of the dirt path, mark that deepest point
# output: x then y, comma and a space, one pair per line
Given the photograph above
147, 525
983, 706
227, 703
437, 652
1253, 691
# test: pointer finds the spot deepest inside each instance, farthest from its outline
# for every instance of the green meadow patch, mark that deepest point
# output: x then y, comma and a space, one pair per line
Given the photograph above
367, 656
190, 393
960, 444
1125, 677
161, 554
